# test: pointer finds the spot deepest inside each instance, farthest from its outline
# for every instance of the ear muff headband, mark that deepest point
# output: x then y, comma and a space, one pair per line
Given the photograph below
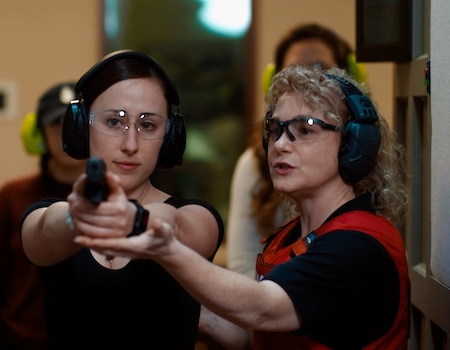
76, 128
32, 137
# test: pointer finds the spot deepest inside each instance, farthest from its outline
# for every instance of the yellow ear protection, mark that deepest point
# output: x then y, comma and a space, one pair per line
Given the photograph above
361, 137
267, 76
76, 128
32, 137
357, 71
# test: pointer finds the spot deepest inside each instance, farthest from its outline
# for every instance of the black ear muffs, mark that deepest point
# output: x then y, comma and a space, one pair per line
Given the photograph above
75, 131
361, 137
174, 143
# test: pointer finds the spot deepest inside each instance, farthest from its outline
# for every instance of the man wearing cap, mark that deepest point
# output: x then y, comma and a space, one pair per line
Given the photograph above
21, 309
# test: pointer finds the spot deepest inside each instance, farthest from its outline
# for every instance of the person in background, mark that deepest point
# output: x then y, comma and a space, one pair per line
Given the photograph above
333, 277
255, 208
21, 301
123, 117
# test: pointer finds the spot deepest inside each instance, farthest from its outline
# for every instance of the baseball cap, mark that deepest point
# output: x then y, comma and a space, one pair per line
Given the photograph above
53, 103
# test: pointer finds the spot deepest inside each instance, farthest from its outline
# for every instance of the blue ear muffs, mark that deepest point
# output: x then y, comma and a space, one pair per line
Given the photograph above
32, 138
361, 138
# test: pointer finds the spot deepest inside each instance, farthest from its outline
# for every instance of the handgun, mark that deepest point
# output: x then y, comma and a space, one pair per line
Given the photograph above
96, 189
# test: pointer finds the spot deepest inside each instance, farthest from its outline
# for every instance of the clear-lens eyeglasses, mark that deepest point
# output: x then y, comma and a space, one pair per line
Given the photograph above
299, 130
115, 122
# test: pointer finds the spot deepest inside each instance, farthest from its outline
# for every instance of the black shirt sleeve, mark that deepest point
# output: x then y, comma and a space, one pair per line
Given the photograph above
177, 203
343, 277
43, 203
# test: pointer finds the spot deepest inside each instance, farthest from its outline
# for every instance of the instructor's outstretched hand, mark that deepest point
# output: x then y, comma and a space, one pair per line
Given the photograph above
158, 241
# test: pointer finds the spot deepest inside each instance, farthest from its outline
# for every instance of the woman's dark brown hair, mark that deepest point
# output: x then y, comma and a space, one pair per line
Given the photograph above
118, 70
340, 48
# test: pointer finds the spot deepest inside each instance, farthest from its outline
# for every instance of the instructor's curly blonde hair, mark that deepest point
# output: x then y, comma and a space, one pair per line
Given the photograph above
320, 91
265, 200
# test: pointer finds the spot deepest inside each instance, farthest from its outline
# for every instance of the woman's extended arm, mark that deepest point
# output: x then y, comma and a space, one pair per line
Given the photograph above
49, 230
228, 334
232, 296
46, 236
